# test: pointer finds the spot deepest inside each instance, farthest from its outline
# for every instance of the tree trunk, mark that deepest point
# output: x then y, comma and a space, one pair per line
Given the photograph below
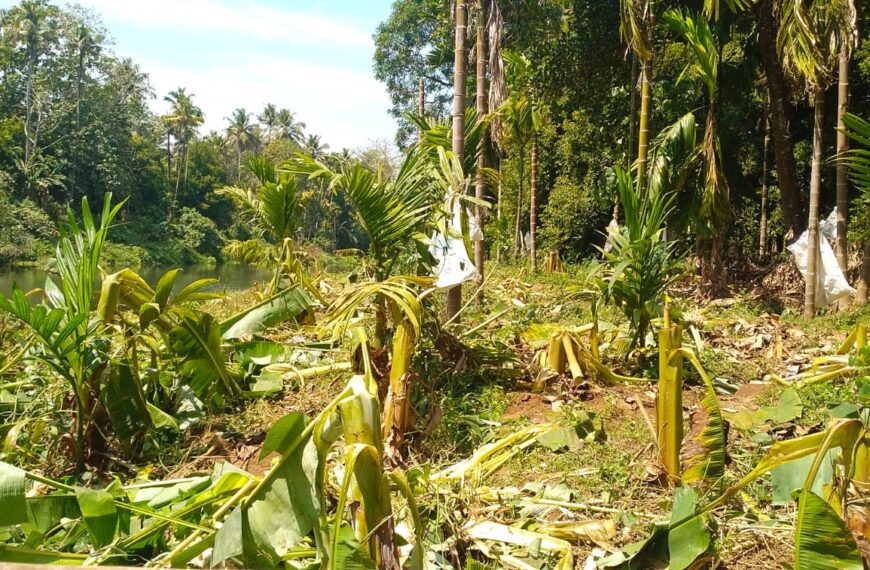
421, 101
482, 106
762, 234
632, 119
454, 294
518, 230
28, 103
643, 129
533, 206
864, 278
815, 195
780, 115
168, 157
842, 170
78, 140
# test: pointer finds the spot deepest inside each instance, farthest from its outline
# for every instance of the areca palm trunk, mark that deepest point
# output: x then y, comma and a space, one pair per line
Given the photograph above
762, 234
842, 174
815, 194
454, 294
643, 127
533, 206
518, 230
864, 279
482, 107
168, 155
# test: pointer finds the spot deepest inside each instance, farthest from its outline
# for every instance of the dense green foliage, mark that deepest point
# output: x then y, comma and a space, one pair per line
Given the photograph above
582, 77
75, 122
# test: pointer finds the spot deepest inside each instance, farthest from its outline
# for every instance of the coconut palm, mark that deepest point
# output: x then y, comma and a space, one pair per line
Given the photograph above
269, 119
812, 36
241, 133
315, 147
289, 127
183, 119
33, 25
714, 204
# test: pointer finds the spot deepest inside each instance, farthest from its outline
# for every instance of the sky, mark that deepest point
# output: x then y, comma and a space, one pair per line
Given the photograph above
311, 56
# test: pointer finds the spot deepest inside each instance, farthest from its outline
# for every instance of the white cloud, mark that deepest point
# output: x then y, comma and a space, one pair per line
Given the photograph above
238, 53
232, 17
347, 108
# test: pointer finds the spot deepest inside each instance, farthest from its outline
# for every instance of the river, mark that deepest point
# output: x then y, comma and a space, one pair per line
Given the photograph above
231, 277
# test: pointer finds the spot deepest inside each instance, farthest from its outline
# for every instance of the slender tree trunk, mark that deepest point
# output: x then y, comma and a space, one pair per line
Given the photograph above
780, 116
643, 128
632, 126
482, 106
842, 173
454, 294
533, 206
762, 234
28, 104
815, 195
864, 278
80, 73
518, 230
168, 157
421, 98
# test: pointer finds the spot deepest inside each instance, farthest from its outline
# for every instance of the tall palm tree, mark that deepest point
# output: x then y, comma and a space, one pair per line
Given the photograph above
715, 205
315, 147
520, 120
636, 27
488, 59
240, 132
289, 127
842, 139
811, 38
269, 119
184, 118
454, 294
33, 25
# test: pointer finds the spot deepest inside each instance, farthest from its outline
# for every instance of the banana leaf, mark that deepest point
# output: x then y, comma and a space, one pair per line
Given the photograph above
289, 304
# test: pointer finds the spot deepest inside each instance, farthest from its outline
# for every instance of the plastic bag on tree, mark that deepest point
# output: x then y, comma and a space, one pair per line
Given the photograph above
828, 226
831, 284
452, 264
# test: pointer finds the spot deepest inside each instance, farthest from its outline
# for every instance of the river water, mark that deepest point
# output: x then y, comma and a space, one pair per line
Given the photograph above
231, 277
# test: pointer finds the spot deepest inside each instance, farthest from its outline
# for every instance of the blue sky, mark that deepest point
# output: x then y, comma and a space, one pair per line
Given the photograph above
312, 56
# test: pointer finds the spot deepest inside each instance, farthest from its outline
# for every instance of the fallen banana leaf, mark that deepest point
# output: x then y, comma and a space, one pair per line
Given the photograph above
492, 531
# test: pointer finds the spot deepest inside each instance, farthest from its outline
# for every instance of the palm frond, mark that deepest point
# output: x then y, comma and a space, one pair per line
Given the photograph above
635, 17
402, 292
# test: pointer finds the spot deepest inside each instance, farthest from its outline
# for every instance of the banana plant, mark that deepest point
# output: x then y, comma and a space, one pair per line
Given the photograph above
821, 536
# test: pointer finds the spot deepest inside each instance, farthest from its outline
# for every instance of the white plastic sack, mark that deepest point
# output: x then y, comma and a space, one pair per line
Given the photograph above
831, 284
452, 264
828, 226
